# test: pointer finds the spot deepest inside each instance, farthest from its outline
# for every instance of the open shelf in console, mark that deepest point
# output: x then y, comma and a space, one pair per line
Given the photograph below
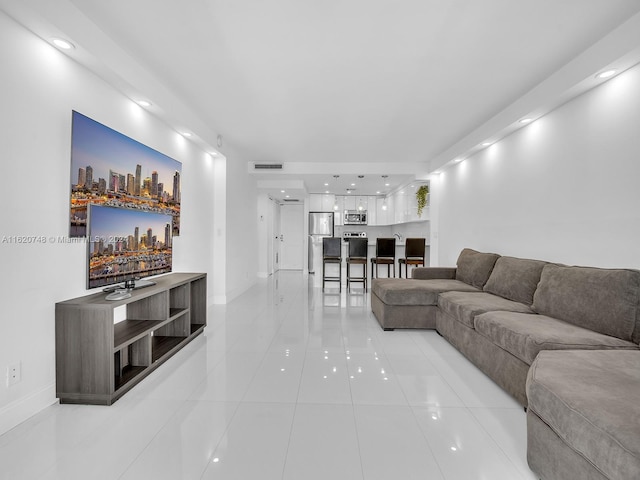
169, 336
179, 299
198, 304
128, 331
97, 360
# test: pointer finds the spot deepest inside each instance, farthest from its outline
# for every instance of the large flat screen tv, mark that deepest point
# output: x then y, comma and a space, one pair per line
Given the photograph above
109, 168
126, 245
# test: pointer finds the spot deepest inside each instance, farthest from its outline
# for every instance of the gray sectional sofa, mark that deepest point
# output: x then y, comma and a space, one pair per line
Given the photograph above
553, 336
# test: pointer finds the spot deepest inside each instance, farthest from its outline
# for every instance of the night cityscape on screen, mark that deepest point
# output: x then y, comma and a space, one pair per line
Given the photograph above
125, 244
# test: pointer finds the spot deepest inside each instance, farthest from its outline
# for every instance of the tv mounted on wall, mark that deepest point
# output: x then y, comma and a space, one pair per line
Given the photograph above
109, 168
126, 245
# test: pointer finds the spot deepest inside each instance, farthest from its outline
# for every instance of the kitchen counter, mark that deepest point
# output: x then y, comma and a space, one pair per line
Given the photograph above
371, 242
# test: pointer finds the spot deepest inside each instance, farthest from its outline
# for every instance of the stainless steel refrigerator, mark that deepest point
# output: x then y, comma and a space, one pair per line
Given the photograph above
320, 226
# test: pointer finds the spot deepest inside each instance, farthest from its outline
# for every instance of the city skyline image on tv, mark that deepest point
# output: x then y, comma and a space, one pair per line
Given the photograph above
125, 244
111, 169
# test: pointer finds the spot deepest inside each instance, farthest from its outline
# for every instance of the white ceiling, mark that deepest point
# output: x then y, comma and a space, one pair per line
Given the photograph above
343, 87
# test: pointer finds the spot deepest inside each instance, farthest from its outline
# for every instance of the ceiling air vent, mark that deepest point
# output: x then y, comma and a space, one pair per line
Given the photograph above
290, 200
267, 166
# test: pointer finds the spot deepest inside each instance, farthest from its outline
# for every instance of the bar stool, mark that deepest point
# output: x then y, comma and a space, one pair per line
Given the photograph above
357, 256
413, 253
385, 255
332, 254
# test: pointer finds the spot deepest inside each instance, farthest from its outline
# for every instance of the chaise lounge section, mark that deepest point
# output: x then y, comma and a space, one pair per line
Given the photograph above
583, 416
413, 303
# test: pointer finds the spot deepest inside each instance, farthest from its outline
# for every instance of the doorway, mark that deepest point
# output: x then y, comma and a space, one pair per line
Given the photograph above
291, 237
273, 237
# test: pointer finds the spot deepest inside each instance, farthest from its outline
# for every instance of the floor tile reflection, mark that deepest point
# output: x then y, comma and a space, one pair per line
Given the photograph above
288, 382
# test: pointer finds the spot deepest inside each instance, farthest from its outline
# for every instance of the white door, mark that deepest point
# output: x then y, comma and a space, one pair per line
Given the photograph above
270, 237
276, 237
292, 237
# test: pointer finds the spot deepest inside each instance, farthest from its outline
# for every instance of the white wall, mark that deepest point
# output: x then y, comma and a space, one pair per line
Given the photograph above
39, 87
564, 188
265, 234
241, 227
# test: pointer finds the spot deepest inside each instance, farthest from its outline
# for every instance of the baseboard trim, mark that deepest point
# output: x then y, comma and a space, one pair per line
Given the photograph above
24, 408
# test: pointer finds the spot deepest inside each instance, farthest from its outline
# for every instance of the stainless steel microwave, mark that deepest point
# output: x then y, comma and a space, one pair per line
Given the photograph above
355, 217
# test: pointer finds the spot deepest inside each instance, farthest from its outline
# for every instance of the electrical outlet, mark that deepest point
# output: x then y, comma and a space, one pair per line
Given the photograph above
14, 375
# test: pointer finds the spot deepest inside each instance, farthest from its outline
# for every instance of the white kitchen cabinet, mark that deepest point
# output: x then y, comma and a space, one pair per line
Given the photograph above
321, 202
400, 206
372, 211
350, 202
362, 203
382, 211
328, 201
412, 204
339, 212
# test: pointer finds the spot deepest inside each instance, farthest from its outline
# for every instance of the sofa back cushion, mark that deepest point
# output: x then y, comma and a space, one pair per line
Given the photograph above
515, 279
602, 300
474, 267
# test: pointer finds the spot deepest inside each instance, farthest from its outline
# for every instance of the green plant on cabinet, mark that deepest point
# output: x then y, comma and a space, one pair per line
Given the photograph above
421, 197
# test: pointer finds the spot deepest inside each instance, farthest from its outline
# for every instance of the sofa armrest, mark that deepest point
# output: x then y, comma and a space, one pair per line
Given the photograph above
429, 273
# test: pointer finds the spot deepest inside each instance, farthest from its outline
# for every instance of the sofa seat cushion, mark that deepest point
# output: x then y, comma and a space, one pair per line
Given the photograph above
590, 400
407, 291
464, 306
515, 278
524, 335
474, 268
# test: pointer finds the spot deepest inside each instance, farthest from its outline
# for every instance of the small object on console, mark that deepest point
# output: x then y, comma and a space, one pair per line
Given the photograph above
118, 295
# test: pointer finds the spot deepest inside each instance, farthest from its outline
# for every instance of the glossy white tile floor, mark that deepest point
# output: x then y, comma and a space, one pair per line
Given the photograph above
288, 383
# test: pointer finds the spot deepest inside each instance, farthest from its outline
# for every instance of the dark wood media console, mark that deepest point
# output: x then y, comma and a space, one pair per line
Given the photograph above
98, 360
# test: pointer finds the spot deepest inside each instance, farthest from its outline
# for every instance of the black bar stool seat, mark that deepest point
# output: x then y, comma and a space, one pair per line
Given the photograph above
357, 256
332, 254
414, 254
385, 255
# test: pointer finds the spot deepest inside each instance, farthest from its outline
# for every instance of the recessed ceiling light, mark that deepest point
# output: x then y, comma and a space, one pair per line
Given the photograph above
286, 196
378, 192
526, 120
144, 103
186, 134
457, 160
353, 184
606, 74
486, 144
281, 191
64, 44
386, 184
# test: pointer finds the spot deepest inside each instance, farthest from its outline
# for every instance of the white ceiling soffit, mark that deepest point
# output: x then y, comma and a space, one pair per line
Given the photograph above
342, 178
